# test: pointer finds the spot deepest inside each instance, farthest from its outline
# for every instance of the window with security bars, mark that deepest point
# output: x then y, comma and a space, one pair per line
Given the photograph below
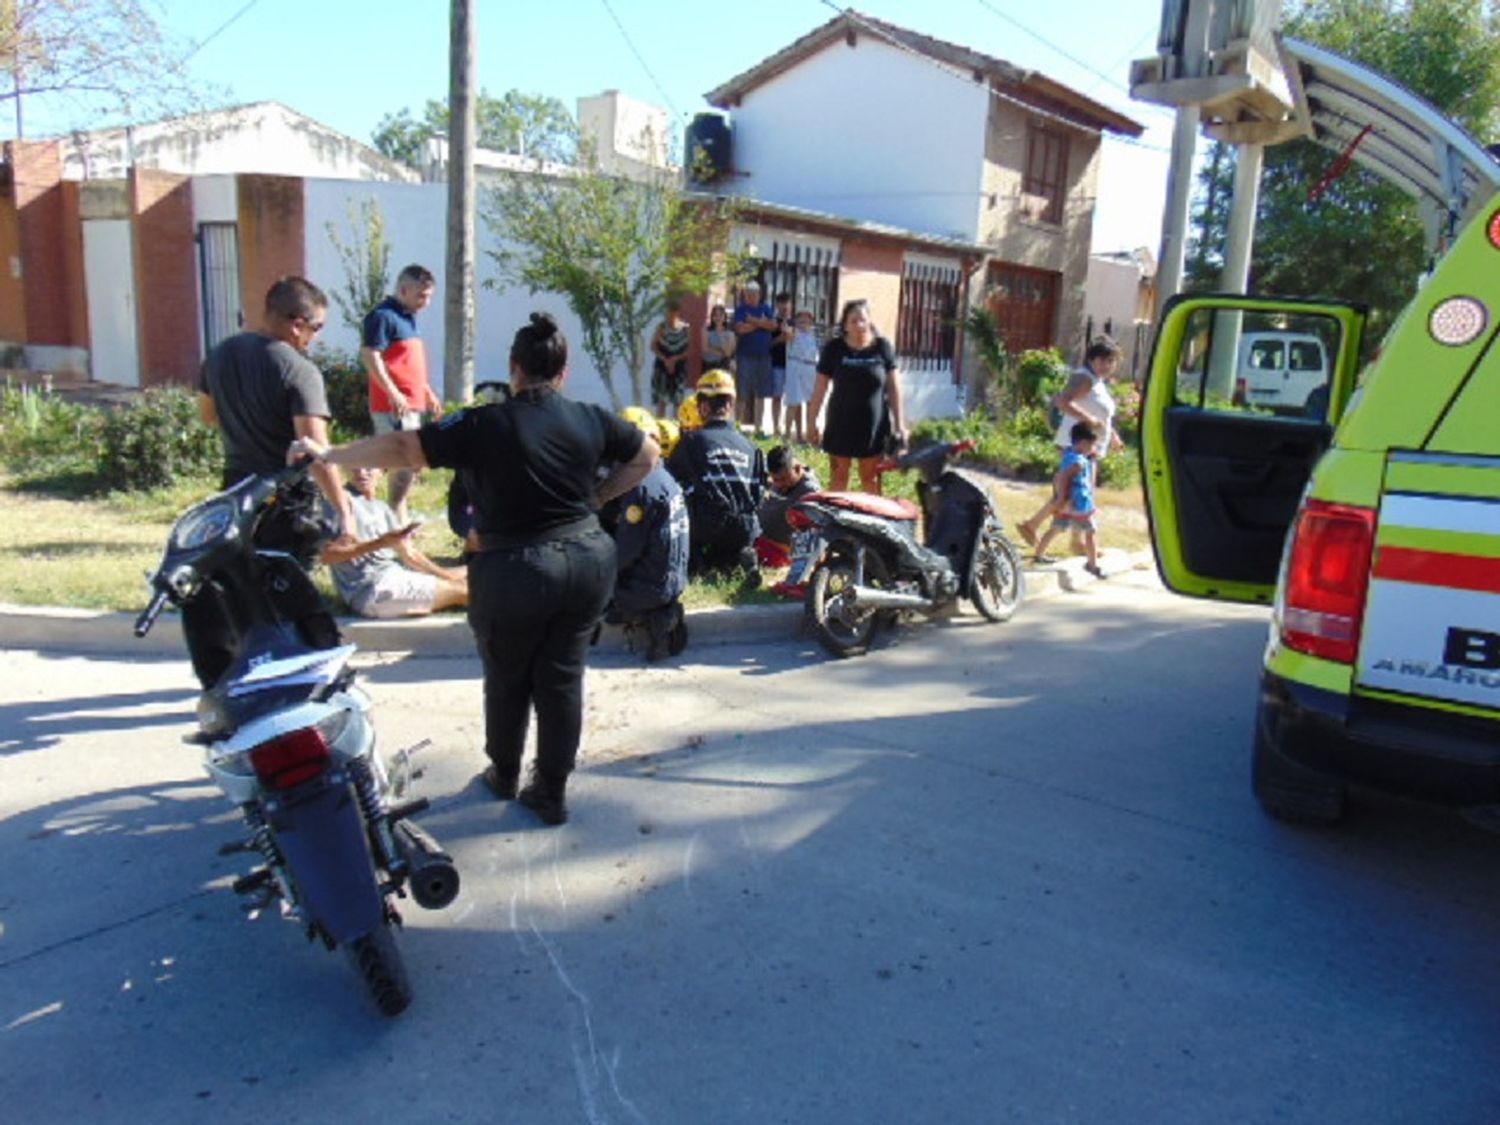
810, 274
927, 326
1046, 170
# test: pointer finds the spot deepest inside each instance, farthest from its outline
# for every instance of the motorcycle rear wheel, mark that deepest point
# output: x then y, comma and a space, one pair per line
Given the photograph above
377, 959
997, 586
843, 632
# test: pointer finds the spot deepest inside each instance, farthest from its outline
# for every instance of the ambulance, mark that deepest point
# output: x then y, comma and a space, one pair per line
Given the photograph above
1369, 522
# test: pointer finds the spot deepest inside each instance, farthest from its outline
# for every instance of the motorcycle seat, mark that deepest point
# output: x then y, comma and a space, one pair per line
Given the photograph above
886, 507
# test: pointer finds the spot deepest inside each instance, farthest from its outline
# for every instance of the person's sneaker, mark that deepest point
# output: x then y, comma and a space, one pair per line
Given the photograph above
1095, 570
1044, 560
544, 797
502, 785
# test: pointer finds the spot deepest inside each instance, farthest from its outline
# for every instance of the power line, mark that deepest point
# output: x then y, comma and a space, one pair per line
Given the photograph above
218, 31
625, 35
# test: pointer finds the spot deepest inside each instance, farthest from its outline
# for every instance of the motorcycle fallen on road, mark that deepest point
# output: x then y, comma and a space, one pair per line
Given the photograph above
863, 566
288, 736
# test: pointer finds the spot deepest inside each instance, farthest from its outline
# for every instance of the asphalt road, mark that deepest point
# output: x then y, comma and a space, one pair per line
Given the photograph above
985, 874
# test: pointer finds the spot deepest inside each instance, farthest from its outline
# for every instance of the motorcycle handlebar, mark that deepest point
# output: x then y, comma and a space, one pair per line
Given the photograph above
149, 615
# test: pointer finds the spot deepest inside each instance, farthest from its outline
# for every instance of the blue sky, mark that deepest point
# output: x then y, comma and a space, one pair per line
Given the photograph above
348, 62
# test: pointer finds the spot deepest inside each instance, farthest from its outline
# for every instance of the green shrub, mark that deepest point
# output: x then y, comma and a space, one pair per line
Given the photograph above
348, 393
156, 441
46, 437
1041, 373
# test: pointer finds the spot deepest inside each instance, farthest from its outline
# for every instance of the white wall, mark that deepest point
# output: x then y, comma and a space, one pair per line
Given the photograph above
414, 221
1112, 293
264, 137
868, 132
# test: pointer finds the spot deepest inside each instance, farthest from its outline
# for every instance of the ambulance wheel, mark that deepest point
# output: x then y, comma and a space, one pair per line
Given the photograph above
1288, 792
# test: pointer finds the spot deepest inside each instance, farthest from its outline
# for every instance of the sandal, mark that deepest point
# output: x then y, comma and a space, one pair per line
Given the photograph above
1044, 560
1095, 570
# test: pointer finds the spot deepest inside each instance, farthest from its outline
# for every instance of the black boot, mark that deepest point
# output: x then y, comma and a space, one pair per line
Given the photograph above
502, 783
543, 795
660, 626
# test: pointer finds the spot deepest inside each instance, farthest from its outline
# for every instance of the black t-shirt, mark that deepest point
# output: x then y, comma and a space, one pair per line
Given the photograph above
778, 347
857, 421
258, 386
532, 461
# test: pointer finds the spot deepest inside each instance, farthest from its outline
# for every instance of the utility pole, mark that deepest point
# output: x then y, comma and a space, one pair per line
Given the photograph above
458, 306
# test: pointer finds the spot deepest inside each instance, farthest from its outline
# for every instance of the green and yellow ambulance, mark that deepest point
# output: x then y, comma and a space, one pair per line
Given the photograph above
1368, 517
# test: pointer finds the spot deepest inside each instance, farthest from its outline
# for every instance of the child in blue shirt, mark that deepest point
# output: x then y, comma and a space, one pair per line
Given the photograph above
1073, 510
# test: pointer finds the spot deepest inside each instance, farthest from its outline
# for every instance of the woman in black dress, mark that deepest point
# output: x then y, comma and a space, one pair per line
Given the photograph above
865, 414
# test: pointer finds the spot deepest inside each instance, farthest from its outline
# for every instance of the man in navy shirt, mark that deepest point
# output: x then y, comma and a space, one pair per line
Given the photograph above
756, 327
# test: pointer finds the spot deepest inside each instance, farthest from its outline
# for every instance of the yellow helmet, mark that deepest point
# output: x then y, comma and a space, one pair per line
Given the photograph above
640, 418
687, 414
715, 382
668, 434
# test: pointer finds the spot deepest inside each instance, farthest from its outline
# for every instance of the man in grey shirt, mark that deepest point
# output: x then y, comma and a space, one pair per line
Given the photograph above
263, 392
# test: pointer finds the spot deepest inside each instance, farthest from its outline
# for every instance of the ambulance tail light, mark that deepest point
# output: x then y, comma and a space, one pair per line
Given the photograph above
1328, 575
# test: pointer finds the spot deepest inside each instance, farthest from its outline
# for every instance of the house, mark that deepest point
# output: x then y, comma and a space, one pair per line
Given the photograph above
1120, 302
875, 122
125, 250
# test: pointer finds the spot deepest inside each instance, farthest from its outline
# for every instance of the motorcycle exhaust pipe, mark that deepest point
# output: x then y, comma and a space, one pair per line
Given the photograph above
868, 597
434, 879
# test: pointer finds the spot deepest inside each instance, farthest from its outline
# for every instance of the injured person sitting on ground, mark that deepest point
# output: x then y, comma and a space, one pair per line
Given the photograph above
382, 573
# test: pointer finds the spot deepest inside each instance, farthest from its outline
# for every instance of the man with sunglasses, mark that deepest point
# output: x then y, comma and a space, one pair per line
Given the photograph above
262, 392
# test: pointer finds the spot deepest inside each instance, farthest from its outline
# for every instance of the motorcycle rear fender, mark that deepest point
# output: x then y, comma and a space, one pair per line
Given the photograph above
321, 832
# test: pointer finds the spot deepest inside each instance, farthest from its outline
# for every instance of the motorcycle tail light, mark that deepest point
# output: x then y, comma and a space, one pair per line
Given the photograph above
798, 518
1328, 575
290, 759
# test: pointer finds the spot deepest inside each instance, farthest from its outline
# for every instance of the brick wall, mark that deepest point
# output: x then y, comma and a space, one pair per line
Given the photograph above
872, 271
272, 221
167, 312
12, 291
51, 245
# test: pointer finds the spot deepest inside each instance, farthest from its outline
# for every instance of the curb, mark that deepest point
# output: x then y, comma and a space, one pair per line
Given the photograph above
102, 633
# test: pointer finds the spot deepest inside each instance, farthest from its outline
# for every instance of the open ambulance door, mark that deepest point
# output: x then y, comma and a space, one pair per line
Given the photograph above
1241, 400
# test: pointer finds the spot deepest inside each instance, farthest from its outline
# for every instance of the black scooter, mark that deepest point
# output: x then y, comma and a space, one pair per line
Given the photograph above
289, 738
863, 565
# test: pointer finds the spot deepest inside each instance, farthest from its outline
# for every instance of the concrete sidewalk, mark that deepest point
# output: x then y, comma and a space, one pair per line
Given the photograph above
95, 632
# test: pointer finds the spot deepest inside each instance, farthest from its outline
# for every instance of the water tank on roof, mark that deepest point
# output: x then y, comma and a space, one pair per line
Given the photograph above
709, 155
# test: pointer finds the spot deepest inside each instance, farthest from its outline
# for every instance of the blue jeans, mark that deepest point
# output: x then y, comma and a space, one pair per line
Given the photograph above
533, 610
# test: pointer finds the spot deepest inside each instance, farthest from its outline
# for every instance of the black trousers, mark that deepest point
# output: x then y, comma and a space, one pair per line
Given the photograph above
533, 610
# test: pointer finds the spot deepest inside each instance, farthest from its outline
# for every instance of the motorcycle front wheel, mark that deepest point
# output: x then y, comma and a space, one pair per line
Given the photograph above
997, 585
840, 628
377, 959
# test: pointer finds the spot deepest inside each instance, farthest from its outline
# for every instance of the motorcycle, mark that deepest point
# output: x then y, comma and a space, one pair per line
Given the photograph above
288, 737
862, 565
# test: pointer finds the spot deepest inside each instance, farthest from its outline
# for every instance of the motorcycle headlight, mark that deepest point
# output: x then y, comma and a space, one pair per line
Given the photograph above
204, 524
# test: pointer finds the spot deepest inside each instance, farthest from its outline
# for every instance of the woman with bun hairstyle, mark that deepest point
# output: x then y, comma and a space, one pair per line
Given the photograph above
544, 569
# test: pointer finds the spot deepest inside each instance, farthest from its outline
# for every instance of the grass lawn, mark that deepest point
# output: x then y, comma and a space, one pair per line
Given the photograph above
94, 552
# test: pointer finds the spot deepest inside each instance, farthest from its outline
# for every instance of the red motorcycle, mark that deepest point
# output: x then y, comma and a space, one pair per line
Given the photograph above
863, 565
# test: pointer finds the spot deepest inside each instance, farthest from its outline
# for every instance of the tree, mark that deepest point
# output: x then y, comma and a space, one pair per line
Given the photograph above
1362, 237
365, 255
524, 124
87, 59
615, 248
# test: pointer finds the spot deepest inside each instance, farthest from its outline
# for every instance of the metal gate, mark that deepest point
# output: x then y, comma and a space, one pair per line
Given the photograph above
219, 269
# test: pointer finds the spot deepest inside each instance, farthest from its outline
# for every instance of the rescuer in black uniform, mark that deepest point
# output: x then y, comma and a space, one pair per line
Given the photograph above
544, 569
650, 527
722, 474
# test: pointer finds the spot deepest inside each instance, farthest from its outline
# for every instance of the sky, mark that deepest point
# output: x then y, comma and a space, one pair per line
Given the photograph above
347, 63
